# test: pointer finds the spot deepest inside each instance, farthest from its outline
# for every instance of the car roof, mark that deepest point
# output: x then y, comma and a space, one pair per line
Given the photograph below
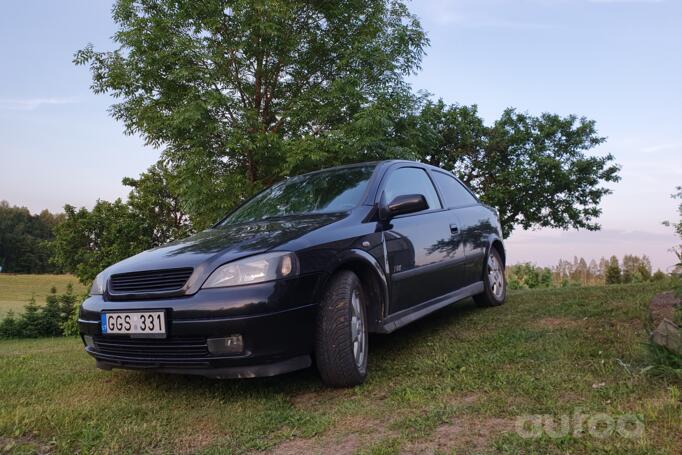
375, 163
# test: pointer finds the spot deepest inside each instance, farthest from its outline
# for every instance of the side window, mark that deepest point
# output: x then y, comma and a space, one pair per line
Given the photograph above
411, 180
454, 193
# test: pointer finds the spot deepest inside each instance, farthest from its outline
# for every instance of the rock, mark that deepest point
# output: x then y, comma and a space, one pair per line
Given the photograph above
662, 307
669, 335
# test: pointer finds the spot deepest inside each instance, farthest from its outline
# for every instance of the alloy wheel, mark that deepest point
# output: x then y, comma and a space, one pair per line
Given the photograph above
495, 277
357, 325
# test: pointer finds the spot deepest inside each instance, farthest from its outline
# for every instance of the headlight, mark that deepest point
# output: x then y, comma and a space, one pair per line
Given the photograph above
98, 285
254, 269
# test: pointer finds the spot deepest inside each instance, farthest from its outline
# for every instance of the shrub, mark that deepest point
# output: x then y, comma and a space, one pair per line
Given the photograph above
527, 275
9, 327
658, 276
55, 318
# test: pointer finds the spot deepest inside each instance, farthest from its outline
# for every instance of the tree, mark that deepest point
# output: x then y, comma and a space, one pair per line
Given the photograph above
88, 241
155, 199
636, 268
613, 272
643, 273
546, 277
533, 169
658, 276
24, 239
245, 92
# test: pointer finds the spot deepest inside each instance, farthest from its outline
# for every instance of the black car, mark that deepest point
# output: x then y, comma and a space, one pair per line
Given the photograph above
303, 270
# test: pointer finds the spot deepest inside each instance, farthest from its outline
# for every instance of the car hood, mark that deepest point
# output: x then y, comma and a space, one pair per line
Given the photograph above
213, 247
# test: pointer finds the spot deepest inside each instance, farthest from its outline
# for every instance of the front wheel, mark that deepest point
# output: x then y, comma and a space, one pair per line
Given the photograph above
495, 292
341, 339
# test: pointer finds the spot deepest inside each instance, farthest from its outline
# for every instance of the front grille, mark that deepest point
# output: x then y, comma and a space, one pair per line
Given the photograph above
152, 348
149, 281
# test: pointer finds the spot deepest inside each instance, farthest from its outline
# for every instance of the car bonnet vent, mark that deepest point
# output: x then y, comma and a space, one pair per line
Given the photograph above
149, 281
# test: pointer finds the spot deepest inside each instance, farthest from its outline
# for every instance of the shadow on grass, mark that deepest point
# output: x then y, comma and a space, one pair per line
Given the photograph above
383, 349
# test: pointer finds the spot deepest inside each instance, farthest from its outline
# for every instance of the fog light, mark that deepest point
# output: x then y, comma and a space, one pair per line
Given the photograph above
89, 342
228, 345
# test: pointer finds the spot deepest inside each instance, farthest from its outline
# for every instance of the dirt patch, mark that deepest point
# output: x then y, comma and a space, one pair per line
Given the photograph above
459, 400
467, 434
358, 433
463, 435
203, 434
9, 445
663, 306
557, 323
314, 399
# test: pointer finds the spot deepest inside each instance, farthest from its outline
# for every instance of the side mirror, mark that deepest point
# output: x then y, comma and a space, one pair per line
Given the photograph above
400, 205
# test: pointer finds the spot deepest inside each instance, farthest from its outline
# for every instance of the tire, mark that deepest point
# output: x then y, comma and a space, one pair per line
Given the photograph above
341, 350
494, 281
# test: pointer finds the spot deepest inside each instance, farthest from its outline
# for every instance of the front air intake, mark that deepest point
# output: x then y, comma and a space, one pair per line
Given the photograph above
149, 281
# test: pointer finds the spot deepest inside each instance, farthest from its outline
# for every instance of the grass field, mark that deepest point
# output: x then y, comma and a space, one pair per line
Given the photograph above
16, 290
455, 382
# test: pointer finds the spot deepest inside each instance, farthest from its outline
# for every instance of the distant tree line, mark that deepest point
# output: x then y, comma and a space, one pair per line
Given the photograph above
83, 241
25, 240
632, 269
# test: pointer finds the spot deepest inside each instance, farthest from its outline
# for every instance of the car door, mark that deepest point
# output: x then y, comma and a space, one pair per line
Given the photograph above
474, 222
419, 246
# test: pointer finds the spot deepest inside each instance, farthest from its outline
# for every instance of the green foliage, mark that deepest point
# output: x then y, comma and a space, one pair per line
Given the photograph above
533, 169
635, 268
154, 199
53, 319
9, 327
69, 324
643, 273
88, 241
528, 276
24, 240
581, 273
658, 276
664, 362
613, 271
246, 92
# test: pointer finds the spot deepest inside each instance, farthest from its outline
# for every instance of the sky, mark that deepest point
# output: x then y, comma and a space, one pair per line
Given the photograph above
618, 62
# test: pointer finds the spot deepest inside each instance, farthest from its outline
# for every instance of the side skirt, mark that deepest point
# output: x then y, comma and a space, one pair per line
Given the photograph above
402, 318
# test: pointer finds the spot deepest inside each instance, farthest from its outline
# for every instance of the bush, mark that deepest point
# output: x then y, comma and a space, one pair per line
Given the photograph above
9, 328
55, 318
658, 276
528, 276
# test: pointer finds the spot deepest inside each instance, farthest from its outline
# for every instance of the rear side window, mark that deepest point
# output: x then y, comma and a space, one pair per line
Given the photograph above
411, 180
453, 192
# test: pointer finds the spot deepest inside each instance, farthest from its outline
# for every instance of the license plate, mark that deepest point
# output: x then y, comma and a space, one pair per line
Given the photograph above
140, 323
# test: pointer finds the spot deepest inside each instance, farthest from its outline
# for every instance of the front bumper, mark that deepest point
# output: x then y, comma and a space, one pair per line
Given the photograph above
276, 321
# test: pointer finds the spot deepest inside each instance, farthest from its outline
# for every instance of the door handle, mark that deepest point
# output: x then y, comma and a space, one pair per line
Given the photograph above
454, 229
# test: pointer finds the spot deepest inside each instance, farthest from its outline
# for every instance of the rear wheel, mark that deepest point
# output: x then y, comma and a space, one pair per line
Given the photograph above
341, 340
495, 292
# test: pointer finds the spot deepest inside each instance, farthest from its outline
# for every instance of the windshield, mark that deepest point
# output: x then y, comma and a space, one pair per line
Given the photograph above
330, 191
